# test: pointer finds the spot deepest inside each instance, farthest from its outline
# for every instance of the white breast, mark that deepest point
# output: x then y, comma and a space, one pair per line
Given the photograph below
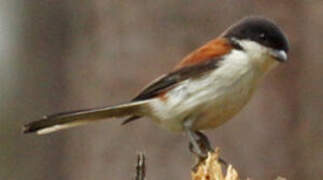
211, 99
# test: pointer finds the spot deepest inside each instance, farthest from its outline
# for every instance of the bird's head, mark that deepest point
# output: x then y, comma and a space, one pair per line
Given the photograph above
258, 36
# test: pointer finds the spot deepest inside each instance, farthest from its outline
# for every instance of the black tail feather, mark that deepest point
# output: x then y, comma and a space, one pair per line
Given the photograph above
65, 120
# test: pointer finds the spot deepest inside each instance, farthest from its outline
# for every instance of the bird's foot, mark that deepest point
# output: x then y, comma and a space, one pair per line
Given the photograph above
200, 148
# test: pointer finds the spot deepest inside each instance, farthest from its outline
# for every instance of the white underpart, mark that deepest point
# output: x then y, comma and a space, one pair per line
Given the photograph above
217, 96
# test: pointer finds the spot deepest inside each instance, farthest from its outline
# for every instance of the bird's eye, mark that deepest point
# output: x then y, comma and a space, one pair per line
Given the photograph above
262, 36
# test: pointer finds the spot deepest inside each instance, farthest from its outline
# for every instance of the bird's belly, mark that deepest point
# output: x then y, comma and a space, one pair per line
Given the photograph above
222, 109
208, 103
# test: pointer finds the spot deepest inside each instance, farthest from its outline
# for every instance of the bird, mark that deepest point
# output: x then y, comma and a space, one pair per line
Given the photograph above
204, 90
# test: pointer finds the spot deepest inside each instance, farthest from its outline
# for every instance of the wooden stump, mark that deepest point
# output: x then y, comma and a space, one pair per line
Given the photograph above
211, 169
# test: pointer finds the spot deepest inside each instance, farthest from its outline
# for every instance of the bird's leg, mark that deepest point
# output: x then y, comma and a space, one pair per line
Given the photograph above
205, 147
195, 144
199, 143
204, 142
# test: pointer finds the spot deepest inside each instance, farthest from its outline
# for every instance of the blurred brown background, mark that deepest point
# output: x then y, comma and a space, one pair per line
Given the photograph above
65, 55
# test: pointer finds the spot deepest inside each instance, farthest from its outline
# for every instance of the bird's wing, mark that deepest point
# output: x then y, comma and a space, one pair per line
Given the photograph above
195, 64
164, 83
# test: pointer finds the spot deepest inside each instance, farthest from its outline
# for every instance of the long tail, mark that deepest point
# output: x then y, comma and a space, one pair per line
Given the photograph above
56, 122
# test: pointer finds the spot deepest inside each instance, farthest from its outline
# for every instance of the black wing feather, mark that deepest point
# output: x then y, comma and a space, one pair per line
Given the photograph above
171, 79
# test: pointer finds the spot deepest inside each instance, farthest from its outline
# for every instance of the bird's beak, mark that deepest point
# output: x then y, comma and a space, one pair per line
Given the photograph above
279, 55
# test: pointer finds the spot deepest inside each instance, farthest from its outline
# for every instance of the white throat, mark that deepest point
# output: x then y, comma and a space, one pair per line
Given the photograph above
257, 55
